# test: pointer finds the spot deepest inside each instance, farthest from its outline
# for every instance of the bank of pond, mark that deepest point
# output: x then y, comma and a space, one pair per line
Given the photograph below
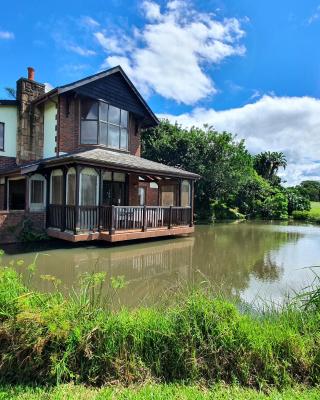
53, 338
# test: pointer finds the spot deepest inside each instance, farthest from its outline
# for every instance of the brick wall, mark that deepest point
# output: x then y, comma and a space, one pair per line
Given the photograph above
133, 185
69, 124
7, 162
11, 224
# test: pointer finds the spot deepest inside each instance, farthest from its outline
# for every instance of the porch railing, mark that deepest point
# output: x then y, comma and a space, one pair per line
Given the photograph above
117, 218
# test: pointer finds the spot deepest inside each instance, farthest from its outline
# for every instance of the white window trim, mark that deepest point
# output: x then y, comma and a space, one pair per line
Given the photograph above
97, 185
38, 206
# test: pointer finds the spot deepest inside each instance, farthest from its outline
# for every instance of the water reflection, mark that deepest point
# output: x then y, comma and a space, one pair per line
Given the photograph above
250, 260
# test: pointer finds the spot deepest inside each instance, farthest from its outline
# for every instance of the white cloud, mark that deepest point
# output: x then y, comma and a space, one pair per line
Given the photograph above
5, 35
90, 22
315, 16
170, 53
287, 124
47, 87
79, 50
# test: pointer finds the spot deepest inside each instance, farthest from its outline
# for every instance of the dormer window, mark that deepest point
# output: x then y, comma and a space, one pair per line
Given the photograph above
102, 123
1, 136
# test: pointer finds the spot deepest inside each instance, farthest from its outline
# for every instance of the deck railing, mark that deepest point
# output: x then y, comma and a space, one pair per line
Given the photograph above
117, 218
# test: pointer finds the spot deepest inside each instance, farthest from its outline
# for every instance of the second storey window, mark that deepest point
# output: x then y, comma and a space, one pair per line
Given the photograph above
1, 136
103, 124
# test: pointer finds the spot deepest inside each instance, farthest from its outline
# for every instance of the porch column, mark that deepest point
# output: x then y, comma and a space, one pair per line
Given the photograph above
64, 199
48, 182
191, 202
27, 194
76, 208
179, 192
100, 200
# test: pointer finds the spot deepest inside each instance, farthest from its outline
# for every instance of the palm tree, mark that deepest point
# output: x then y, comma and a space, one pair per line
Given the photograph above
268, 163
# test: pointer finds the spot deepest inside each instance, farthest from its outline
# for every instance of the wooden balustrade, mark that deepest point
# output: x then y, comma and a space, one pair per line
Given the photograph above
117, 218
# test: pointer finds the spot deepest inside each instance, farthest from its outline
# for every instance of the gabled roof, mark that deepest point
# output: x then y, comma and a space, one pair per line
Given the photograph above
112, 159
80, 86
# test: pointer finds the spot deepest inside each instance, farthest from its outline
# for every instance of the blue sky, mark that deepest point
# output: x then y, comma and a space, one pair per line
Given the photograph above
251, 67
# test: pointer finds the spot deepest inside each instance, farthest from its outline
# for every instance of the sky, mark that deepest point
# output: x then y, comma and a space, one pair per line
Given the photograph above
249, 67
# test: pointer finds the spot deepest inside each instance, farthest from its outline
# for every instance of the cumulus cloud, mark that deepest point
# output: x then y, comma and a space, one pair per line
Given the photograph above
287, 124
173, 50
5, 35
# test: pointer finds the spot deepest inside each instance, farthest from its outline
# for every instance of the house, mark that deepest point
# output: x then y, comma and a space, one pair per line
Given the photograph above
70, 164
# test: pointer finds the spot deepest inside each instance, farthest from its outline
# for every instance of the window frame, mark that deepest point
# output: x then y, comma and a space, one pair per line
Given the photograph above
100, 121
38, 206
3, 125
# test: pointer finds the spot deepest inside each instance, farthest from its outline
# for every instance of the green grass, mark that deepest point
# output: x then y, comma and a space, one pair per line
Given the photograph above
46, 338
154, 392
315, 209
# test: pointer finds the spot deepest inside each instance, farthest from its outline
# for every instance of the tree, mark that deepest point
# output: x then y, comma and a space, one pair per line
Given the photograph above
268, 163
11, 92
310, 189
296, 201
221, 160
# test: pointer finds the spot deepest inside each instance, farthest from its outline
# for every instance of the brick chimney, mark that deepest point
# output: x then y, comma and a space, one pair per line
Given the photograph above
30, 119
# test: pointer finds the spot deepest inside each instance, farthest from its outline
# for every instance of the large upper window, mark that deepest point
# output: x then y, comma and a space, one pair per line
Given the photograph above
103, 124
1, 136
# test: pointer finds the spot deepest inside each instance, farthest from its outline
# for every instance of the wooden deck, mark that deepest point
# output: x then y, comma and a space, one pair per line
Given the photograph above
118, 223
119, 236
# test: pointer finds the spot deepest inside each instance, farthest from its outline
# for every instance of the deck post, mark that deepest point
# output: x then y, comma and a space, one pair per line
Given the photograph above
170, 218
76, 208
112, 227
191, 203
64, 200
100, 201
144, 219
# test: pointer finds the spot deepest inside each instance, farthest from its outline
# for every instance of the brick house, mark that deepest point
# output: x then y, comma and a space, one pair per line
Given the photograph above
70, 163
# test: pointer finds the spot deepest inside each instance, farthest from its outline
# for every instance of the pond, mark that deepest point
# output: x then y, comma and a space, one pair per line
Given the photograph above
255, 261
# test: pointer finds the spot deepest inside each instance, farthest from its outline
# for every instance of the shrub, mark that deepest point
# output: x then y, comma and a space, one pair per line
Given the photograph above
275, 207
300, 215
222, 212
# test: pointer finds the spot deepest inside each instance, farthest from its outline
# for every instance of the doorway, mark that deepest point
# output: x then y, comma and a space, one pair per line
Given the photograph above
16, 194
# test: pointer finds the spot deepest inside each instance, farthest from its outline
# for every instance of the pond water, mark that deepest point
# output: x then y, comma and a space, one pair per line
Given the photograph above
255, 261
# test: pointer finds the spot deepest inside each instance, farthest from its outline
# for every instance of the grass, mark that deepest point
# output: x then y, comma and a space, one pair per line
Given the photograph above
154, 392
48, 339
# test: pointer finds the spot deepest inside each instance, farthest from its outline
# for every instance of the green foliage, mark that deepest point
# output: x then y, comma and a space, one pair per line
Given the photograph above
296, 201
275, 207
310, 189
300, 215
267, 165
223, 212
49, 338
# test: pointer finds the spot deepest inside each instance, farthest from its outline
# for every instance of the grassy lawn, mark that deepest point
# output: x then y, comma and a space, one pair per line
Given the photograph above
154, 392
315, 209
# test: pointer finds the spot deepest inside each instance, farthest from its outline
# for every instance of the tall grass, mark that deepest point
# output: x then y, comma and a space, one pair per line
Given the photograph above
50, 338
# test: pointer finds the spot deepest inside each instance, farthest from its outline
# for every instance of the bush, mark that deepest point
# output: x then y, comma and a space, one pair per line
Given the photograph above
297, 202
300, 215
222, 212
275, 207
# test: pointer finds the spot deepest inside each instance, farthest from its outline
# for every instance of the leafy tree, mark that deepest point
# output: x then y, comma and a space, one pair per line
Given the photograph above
275, 207
222, 161
268, 163
310, 189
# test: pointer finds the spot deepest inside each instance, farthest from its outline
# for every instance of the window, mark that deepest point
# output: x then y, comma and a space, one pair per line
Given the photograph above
185, 194
16, 194
71, 187
89, 187
37, 192
1, 136
168, 195
102, 123
113, 188
142, 196
56, 196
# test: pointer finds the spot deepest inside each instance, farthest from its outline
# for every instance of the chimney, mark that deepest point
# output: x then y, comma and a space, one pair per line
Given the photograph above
31, 74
